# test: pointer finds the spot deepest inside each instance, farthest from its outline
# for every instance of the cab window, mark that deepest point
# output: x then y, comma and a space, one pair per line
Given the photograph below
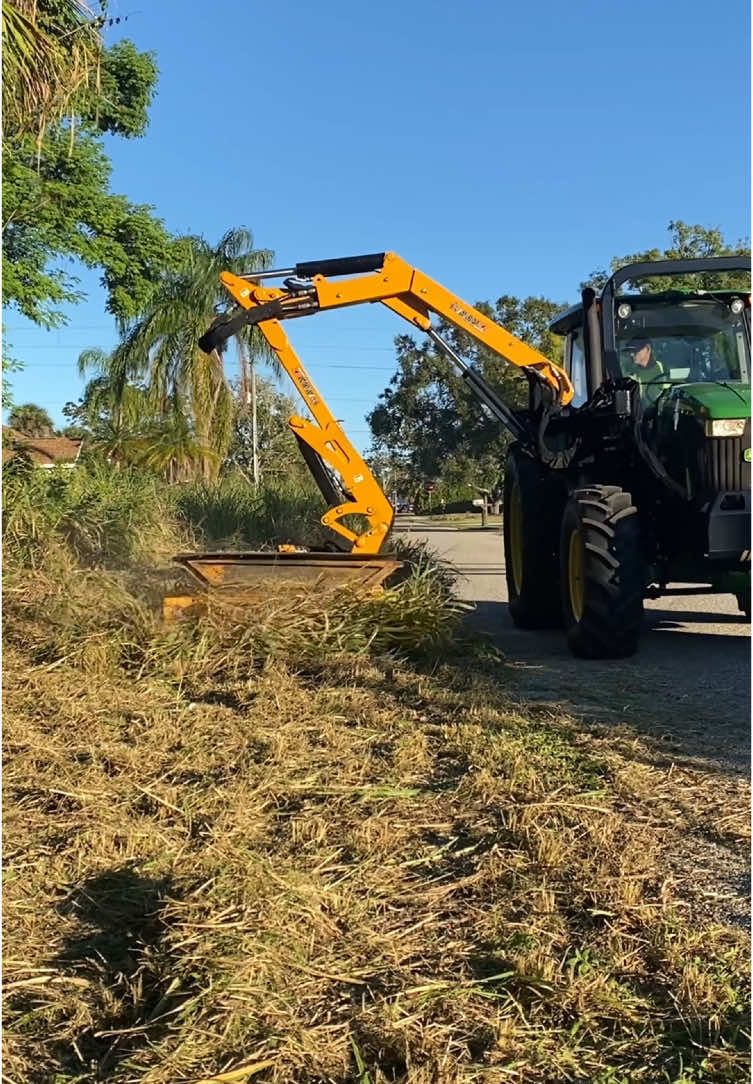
577, 367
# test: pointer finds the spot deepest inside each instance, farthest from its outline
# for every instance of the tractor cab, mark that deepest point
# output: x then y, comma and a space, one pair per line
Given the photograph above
672, 338
661, 337
660, 362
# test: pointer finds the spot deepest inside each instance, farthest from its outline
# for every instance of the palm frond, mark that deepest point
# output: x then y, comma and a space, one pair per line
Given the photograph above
159, 349
45, 66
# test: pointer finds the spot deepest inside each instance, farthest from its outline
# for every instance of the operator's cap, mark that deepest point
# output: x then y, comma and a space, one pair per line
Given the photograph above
637, 344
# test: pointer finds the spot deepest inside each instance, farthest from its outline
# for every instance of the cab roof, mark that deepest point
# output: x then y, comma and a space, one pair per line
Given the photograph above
572, 318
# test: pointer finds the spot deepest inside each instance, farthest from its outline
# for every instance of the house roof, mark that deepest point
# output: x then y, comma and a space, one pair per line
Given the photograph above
43, 451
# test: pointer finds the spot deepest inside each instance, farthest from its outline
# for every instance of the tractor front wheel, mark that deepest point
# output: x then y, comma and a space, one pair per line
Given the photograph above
743, 604
601, 573
530, 525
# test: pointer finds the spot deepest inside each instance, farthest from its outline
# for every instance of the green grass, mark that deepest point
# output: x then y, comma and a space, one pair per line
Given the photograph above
232, 511
97, 516
461, 521
103, 517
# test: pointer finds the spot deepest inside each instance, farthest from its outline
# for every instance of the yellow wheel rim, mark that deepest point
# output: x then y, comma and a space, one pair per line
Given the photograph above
575, 579
515, 513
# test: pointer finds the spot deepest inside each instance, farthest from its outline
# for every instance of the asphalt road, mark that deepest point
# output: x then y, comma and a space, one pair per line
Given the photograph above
688, 686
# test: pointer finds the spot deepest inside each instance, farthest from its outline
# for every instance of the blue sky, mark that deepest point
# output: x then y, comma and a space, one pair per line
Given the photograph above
500, 147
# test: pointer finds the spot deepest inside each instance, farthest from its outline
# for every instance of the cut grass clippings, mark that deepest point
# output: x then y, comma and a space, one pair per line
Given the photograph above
217, 863
316, 841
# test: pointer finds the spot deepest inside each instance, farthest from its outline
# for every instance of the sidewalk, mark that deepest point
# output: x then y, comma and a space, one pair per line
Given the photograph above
446, 523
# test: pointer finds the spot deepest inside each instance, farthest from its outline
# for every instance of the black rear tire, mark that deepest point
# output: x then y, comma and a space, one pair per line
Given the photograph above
743, 604
530, 524
602, 573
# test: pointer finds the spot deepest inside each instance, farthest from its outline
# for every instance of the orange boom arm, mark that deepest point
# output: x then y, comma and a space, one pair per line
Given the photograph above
380, 277
398, 286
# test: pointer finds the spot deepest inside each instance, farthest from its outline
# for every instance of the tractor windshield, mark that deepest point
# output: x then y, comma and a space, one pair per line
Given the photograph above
686, 339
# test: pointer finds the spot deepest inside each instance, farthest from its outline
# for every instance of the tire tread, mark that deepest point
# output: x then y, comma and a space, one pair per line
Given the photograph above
613, 568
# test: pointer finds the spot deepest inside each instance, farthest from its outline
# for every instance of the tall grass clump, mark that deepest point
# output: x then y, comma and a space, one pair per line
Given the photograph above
87, 564
231, 512
309, 632
95, 515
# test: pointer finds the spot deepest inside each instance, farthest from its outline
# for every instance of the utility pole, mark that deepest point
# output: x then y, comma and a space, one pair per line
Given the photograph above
248, 397
254, 428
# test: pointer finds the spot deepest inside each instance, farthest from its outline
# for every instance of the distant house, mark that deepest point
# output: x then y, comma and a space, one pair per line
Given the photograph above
42, 451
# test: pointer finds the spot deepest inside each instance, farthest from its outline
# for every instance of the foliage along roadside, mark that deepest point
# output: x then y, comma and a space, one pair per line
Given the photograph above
99, 517
77, 527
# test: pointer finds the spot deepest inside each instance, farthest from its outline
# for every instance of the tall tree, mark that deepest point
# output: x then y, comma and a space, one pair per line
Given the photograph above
57, 203
113, 419
159, 350
429, 419
686, 242
278, 453
31, 420
125, 428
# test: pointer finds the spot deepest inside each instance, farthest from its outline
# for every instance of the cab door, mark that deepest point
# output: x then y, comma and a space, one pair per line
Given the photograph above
575, 365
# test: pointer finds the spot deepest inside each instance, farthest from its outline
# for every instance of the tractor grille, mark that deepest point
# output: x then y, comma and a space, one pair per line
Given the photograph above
723, 468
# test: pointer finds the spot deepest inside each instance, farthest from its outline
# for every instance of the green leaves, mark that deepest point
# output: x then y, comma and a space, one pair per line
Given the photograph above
51, 50
429, 419
62, 92
277, 450
58, 205
157, 400
686, 242
31, 420
127, 83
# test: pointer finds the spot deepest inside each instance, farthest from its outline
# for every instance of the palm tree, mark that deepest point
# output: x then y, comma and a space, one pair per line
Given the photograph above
170, 447
159, 349
124, 427
49, 53
31, 420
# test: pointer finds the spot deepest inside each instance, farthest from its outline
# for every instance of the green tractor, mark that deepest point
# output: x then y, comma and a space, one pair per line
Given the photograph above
643, 483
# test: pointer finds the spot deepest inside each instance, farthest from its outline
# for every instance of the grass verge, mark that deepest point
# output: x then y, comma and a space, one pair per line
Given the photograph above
315, 841
326, 865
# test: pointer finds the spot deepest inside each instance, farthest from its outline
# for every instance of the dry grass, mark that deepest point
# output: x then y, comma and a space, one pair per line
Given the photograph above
315, 841
264, 846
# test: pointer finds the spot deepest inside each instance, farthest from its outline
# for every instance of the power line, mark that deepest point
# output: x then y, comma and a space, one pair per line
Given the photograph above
111, 327
310, 346
310, 365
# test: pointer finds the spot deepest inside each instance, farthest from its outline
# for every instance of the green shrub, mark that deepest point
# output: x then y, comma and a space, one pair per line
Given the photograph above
95, 514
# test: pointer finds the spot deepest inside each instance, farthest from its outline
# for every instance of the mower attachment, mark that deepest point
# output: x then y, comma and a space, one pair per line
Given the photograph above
239, 574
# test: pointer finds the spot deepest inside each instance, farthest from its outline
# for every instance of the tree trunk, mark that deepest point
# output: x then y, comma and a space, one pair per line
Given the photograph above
248, 399
206, 428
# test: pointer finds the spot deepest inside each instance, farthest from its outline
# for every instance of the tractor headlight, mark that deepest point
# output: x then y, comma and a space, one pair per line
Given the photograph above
726, 427
737, 305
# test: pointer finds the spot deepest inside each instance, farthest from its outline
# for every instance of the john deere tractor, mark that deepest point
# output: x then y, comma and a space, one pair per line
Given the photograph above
641, 486
630, 471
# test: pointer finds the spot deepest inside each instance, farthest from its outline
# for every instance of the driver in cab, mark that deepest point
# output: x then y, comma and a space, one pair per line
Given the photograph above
641, 365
